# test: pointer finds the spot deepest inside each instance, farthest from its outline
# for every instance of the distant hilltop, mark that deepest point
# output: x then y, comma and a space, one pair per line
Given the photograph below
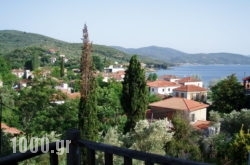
13, 39
179, 57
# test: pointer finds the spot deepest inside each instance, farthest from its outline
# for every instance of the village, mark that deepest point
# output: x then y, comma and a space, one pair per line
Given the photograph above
185, 94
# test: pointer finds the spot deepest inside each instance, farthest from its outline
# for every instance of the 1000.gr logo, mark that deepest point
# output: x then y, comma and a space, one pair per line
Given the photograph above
22, 145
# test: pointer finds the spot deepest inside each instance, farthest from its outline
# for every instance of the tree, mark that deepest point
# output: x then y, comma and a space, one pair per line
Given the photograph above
62, 66
151, 136
152, 77
99, 64
134, 97
35, 109
88, 122
228, 95
5, 73
239, 148
184, 143
110, 112
35, 62
232, 122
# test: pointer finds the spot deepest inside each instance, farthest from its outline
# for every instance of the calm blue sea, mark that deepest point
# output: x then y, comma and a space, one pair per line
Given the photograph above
208, 73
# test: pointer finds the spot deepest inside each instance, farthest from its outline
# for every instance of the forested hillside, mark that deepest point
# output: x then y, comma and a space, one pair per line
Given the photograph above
12, 41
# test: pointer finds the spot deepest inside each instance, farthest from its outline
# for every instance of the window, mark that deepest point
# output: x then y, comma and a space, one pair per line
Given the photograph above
177, 94
162, 90
182, 95
192, 117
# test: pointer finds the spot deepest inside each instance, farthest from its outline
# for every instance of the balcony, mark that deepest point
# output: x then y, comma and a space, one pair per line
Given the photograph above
73, 155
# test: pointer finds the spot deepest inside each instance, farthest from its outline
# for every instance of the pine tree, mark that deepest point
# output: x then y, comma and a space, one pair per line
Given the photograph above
134, 97
88, 105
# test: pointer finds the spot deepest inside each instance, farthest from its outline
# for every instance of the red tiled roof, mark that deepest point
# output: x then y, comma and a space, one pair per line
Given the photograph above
188, 79
201, 124
168, 77
177, 103
119, 75
190, 88
10, 130
73, 95
161, 83
246, 78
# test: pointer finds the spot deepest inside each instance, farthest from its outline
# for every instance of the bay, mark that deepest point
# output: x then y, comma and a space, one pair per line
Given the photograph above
207, 73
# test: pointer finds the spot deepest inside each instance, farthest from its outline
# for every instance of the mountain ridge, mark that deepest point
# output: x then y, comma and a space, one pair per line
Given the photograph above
175, 56
14, 39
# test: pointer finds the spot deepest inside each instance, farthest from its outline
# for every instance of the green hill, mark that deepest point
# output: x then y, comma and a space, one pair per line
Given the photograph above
12, 40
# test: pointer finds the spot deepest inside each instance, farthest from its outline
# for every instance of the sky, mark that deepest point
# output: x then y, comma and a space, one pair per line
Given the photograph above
191, 26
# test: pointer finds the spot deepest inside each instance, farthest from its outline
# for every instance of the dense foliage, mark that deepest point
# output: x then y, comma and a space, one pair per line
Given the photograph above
184, 143
228, 95
5, 73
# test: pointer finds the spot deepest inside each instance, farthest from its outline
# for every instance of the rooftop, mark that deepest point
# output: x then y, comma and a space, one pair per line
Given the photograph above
190, 88
177, 103
161, 83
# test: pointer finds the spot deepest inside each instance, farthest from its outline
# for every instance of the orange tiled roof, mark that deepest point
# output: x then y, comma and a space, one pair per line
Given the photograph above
168, 77
161, 83
188, 79
177, 103
10, 130
74, 95
190, 88
201, 124
246, 78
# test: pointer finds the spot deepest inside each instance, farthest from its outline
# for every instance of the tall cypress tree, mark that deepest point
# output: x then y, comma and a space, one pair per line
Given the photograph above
62, 66
134, 97
88, 121
34, 62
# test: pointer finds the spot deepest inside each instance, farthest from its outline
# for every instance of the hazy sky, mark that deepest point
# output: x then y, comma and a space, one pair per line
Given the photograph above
192, 26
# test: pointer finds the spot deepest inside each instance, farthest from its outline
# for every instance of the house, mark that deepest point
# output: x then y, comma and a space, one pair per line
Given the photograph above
191, 92
171, 78
114, 68
18, 72
196, 111
162, 87
190, 81
246, 84
64, 87
117, 76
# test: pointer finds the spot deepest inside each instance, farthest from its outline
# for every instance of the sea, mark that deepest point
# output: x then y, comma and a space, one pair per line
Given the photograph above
209, 74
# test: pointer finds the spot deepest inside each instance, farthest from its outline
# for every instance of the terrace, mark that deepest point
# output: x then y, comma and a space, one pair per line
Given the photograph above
73, 155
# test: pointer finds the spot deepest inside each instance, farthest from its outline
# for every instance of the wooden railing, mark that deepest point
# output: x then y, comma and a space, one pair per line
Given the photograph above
73, 156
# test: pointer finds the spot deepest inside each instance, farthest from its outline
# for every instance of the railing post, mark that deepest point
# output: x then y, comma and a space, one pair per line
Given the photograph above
108, 158
53, 158
127, 160
73, 155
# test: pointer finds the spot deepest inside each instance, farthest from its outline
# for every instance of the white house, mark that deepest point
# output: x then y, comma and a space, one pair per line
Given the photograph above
114, 68
190, 81
171, 78
162, 87
191, 92
18, 72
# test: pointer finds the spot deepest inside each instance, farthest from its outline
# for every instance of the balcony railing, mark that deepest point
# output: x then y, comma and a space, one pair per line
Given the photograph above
73, 155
